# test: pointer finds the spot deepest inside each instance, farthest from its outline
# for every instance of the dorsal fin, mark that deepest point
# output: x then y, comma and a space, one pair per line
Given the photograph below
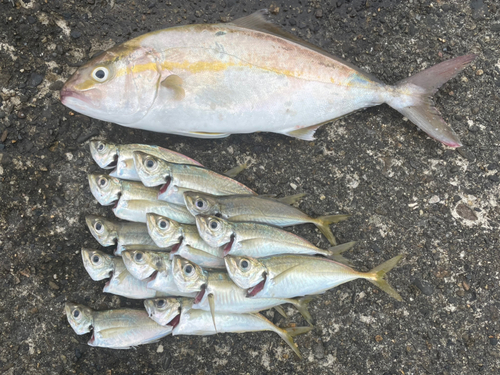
256, 21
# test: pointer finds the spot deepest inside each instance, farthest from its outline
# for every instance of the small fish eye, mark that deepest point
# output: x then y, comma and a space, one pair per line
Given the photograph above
244, 264
98, 226
149, 163
188, 269
100, 147
102, 181
100, 74
95, 258
160, 303
214, 224
76, 313
138, 256
162, 224
199, 203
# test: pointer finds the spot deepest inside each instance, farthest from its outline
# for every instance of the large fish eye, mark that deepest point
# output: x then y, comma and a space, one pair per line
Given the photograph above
244, 264
76, 313
98, 227
214, 224
188, 269
100, 74
199, 203
138, 257
163, 224
160, 303
95, 259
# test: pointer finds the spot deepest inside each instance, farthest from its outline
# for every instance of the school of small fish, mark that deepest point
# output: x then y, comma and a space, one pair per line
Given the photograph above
204, 252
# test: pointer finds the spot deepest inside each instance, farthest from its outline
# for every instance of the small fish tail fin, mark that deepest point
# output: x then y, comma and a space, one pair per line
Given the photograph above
378, 273
302, 304
296, 331
280, 310
233, 172
287, 337
335, 252
291, 199
414, 99
323, 224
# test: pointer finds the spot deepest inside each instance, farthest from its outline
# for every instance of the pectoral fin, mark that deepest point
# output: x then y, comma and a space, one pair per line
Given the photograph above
211, 302
174, 83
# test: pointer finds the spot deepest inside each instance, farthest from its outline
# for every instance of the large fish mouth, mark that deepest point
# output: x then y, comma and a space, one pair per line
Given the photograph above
200, 294
175, 321
164, 188
72, 98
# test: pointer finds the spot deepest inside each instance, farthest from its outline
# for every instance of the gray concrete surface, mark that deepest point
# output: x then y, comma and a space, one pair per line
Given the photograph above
406, 193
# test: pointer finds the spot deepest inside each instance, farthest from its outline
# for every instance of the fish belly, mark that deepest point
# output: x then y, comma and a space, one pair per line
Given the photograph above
246, 100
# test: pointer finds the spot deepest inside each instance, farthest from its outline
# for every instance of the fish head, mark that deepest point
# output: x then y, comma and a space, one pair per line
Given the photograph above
152, 171
137, 263
104, 154
79, 317
188, 276
99, 265
119, 85
103, 230
246, 272
201, 203
164, 311
165, 232
104, 188
214, 230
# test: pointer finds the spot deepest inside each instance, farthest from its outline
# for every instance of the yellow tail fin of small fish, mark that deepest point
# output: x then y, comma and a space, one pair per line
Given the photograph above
302, 304
379, 274
291, 199
280, 310
323, 224
335, 253
233, 172
295, 331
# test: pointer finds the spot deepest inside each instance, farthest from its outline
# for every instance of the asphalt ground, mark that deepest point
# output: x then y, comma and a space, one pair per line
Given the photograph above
407, 194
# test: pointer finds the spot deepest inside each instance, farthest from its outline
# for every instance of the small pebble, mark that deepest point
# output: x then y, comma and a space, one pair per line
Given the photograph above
378, 338
21, 115
75, 34
434, 199
53, 285
160, 349
479, 72
424, 287
493, 341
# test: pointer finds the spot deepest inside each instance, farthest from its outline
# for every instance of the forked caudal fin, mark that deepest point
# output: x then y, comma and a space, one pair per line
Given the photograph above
414, 98
378, 273
323, 224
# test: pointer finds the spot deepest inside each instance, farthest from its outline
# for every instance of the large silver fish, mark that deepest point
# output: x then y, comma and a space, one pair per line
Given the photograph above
288, 276
258, 209
258, 240
249, 75
119, 157
188, 321
115, 329
123, 234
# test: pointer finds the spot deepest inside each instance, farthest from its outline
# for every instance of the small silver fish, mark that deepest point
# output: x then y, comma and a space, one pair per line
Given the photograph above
188, 321
136, 210
115, 329
122, 283
250, 208
216, 292
123, 234
154, 171
288, 276
98, 264
185, 240
142, 264
163, 281
258, 240
119, 157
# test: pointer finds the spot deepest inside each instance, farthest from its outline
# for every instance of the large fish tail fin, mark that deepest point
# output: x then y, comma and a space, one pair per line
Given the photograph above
414, 98
378, 273
323, 224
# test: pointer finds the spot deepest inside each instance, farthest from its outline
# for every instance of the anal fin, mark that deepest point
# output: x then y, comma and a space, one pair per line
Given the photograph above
306, 134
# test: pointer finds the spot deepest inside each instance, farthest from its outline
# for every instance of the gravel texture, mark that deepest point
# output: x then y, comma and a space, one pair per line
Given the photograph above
406, 193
